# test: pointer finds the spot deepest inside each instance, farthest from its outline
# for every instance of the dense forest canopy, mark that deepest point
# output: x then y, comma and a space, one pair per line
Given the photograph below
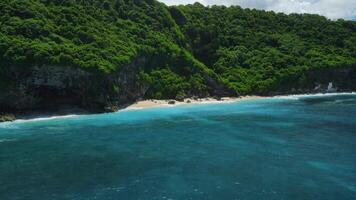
253, 51
185, 48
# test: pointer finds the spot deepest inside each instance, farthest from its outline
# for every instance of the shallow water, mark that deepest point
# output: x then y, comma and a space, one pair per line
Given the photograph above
297, 147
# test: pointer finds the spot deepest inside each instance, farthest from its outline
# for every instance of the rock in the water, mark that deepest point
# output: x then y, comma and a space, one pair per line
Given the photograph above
171, 102
111, 108
7, 117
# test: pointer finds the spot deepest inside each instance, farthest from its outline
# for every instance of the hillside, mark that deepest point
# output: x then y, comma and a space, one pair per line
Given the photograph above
261, 52
99, 55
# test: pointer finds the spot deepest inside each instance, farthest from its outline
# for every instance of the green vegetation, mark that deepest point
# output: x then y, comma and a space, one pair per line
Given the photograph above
254, 51
184, 47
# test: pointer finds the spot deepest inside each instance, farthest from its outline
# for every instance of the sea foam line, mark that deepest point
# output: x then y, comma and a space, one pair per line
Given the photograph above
13, 124
293, 97
45, 118
298, 96
7, 140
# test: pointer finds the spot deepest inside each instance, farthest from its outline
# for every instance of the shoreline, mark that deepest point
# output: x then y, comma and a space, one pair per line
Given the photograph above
153, 103
141, 104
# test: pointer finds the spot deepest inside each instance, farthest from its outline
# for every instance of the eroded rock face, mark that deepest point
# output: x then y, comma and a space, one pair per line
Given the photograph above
45, 86
318, 81
59, 77
50, 87
340, 78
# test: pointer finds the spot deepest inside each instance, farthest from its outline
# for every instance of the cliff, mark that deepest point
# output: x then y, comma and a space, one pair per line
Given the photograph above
52, 88
318, 81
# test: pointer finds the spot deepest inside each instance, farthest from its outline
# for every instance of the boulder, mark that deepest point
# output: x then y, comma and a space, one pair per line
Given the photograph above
171, 102
7, 117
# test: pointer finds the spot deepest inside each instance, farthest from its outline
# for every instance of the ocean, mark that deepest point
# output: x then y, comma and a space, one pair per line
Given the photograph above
291, 147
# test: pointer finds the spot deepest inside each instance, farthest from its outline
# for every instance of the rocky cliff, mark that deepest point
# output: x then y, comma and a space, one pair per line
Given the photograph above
342, 79
52, 88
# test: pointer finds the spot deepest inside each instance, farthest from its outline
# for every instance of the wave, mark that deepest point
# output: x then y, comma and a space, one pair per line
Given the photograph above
45, 118
11, 125
6, 140
8, 125
16, 124
299, 96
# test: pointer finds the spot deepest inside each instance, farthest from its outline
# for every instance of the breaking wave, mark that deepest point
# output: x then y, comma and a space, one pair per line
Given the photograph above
300, 96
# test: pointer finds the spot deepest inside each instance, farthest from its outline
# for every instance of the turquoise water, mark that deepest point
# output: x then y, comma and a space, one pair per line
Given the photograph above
276, 148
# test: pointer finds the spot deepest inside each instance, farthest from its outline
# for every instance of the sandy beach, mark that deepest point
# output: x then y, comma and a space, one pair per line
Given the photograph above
158, 103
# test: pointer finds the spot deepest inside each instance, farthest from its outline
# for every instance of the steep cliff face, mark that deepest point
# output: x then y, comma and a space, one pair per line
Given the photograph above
50, 87
342, 79
319, 80
44, 87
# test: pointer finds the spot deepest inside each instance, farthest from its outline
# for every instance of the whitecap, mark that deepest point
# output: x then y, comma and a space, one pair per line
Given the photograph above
299, 96
6, 140
7, 125
131, 108
44, 118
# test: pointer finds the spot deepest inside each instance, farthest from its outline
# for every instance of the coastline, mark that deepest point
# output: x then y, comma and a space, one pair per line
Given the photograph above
141, 104
153, 103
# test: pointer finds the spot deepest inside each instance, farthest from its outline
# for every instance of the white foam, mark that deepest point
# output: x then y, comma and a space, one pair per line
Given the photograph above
7, 125
298, 96
45, 118
13, 124
6, 140
131, 108
10, 125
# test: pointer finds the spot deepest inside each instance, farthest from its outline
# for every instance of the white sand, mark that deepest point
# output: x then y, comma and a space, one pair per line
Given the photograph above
158, 103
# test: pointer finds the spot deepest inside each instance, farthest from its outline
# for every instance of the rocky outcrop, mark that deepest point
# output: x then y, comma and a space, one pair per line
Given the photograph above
341, 79
218, 89
52, 87
7, 117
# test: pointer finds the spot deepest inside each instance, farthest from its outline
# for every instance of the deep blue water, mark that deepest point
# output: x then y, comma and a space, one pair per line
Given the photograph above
274, 148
